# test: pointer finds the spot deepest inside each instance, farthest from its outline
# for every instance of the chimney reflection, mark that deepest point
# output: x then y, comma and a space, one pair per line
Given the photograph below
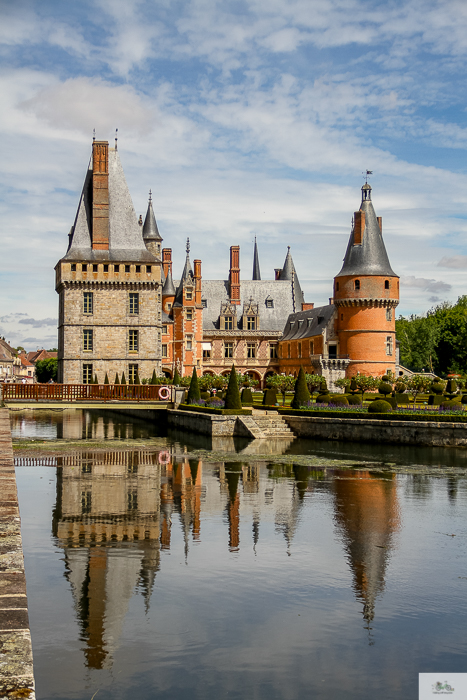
367, 515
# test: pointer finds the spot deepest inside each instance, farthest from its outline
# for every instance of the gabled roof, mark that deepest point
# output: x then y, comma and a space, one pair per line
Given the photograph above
369, 258
40, 355
125, 236
306, 324
150, 230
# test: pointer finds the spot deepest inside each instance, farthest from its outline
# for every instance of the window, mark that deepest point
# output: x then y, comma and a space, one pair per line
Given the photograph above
88, 303
132, 371
134, 303
138, 268
86, 500
299, 349
389, 345
148, 269
312, 348
357, 284
206, 354
204, 303
386, 284
251, 350
164, 330
132, 500
269, 303
127, 268
73, 267
342, 317
273, 352
133, 341
228, 350
388, 314
228, 323
164, 351
84, 267
87, 374
189, 314
95, 268
189, 343
251, 323
87, 340
337, 286
116, 268
288, 350
333, 352
106, 268
189, 294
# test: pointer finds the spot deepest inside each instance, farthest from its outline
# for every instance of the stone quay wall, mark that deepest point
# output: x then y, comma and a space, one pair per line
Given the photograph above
206, 424
394, 432
16, 669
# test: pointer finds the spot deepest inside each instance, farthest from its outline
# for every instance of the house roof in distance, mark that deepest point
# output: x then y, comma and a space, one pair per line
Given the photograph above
306, 324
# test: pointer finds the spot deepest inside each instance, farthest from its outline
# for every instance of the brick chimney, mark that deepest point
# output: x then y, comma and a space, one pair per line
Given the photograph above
197, 278
167, 260
234, 276
359, 227
100, 195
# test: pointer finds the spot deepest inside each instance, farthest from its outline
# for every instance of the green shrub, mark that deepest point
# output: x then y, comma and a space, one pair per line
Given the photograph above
380, 406
353, 386
437, 386
339, 400
247, 396
435, 399
193, 391
123, 378
116, 380
402, 398
232, 395
323, 388
205, 395
452, 406
219, 394
269, 397
355, 400
400, 388
464, 398
451, 386
323, 398
384, 387
301, 394
176, 379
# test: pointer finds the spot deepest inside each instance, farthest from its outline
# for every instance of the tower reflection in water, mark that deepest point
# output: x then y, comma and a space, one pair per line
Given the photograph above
115, 511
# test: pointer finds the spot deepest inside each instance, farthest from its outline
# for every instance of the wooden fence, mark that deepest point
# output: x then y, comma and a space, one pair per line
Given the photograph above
86, 392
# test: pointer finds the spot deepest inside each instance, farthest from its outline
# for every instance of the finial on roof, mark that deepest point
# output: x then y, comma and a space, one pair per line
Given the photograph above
93, 134
187, 246
150, 195
116, 138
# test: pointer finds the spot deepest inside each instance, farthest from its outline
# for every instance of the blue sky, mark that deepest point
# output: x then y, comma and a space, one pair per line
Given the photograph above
244, 118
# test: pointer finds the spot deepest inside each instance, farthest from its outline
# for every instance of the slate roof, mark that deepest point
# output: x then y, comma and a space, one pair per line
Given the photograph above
306, 324
125, 235
150, 230
256, 270
369, 258
168, 290
216, 292
187, 276
289, 273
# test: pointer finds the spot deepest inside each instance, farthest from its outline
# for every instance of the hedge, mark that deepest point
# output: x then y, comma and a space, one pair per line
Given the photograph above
363, 415
215, 411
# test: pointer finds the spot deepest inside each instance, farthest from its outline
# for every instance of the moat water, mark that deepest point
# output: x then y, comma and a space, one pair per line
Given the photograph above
166, 566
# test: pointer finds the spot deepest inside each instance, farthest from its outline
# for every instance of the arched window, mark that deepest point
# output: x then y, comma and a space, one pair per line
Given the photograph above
386, 284
357, 284
337, 286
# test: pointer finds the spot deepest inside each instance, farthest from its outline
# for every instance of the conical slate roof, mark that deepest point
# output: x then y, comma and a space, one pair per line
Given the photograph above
187, 276
168, 290
289, 273
150, 230
256, 270
369, 258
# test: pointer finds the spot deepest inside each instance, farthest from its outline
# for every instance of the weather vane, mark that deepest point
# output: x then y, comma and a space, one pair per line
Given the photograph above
93, 134
366, 175
116, 138
187, 246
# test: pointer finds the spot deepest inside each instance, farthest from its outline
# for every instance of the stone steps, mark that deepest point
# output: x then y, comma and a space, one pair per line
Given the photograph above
271, 425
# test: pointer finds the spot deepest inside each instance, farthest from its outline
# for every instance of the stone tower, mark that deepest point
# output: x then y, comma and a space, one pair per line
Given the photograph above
366, 292
109, 282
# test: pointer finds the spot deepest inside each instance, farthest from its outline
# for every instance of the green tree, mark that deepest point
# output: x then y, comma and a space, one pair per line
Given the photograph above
154, 377
418, 337
301, 394
106, 379
232, 397
116, 380
418, 384
176, 379
193, 391
46, 370
282, 383
123, 378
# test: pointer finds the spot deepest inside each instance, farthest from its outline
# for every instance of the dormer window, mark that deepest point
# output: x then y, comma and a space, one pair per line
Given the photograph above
269, 303
204, 303
228, 323
251, 323
357, 284
386, 284
250, 316
320, 319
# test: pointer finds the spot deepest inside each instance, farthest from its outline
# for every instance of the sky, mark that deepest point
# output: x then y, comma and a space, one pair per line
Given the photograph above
245, 119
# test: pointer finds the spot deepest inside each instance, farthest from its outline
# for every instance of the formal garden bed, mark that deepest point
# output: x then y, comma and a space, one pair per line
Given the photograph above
215, 411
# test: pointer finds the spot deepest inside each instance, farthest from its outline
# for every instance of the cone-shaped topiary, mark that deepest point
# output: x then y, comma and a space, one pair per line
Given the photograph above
301, 394
379, 406
106, 379
154, 377
232, 395
247, 396
176, 379
353, 386
193, 391
95, 379
137, 380
130, 381
323, 389
116, 380
123, 378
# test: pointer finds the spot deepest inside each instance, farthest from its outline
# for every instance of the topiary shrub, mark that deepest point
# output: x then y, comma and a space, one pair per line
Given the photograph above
193, 392
353, 386
205, 395
323, 388
232, 395
435, 399
269, 397
402, 398
116, 380
340, 400
464, 398
176, 379
323, 398
247, 396
380, 406
355, 400
452, 406
437, 386
301, 394
384, 387
400, 388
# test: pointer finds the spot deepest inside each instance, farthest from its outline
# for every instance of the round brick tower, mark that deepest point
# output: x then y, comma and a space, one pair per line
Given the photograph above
366, 293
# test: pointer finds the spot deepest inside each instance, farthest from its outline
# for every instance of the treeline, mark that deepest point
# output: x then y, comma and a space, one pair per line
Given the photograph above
436, 342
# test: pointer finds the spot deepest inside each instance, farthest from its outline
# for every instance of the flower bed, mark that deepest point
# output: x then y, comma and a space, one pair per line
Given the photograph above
402, 414
214, 411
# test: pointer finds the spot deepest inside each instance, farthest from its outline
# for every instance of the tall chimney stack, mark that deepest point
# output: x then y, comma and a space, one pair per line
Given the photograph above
100, 195
234, 277
167, 260
197, 278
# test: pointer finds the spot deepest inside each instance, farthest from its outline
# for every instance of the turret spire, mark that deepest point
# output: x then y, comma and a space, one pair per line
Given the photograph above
256, 270
150, 230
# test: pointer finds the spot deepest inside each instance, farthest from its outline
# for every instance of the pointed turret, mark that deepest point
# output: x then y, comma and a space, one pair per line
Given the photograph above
187, 277
168, 289
256, 270
366, 253
289, 273
151, 235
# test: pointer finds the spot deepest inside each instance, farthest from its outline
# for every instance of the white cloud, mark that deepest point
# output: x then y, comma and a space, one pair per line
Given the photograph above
428, 285
456, 262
